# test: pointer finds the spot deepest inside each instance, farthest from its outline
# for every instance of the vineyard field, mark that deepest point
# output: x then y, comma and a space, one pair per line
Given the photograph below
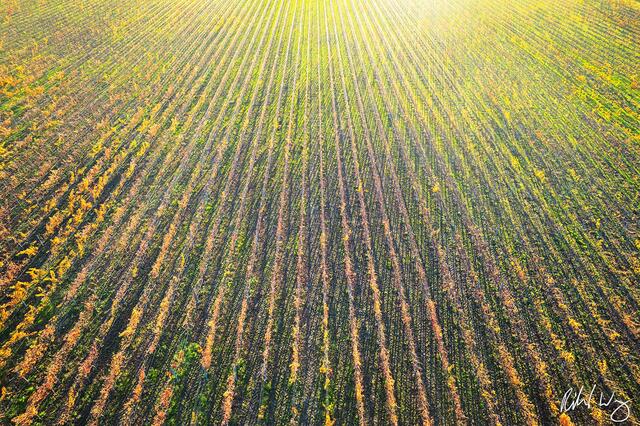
349, 212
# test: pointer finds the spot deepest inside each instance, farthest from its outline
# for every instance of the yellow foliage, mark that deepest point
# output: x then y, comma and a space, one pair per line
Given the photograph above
15, 336
568, 356
574, 175
5, 353
53, 223
327, 420
515, 162
49, 205
133, 322
64, 266
602, 366
565, 420
36, 274
72, 398
19, 292
29, 251
574, 324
